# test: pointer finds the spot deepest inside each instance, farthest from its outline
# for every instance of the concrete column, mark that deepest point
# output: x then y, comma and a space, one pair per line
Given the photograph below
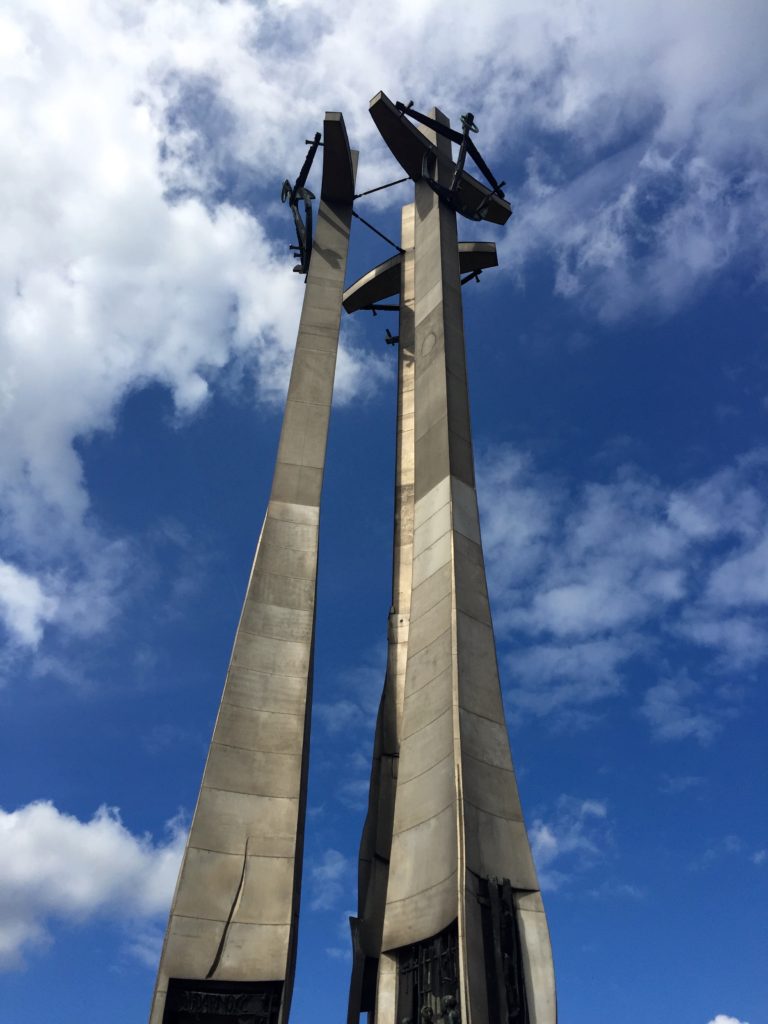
235, 912
377, 832
457, 816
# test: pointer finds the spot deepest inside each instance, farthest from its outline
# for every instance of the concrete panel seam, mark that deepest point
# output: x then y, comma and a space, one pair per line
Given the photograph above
439, 637
423, 821
485, 718
419, 892
414, 622
260, 673
413, 778
517, 819
426, 611
430, 517
257, 750
258, 856
250, 750
242, 631
282, 576
281, 545
416, 732
269, 711
490, 764
294, 522
485, 625
244, 792
246, 924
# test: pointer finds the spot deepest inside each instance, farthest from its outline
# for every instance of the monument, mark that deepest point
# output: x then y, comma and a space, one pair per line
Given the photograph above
230, 946
450, 923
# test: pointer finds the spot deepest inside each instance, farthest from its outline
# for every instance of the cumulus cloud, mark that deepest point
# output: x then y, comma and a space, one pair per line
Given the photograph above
142, 147
351, 718
123, 263
55, 868
588, 579
571, 840
656, 186
24, 604
669, 709
723, 1018
328, 880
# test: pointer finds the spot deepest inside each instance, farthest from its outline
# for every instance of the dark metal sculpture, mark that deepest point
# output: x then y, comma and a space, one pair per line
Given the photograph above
222, 1002
429, 979
507, 1000
299, 193
452, 195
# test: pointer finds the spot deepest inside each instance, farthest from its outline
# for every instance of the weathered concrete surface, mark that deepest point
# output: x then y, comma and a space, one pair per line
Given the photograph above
377, 833
235, 911
383, 281
457, 814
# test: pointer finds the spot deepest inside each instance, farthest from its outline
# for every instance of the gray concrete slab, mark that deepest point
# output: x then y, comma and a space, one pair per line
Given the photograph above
383, 282
235, 910
457, 814
373, 874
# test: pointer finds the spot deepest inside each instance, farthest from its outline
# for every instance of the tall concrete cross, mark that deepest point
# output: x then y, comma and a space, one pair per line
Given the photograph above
451, 925
230, 946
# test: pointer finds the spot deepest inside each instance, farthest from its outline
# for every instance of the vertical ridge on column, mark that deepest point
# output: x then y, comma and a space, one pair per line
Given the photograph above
377, 832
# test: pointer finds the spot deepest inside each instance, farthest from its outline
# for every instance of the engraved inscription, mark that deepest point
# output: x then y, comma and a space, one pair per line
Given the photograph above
221, 1002
211, 1002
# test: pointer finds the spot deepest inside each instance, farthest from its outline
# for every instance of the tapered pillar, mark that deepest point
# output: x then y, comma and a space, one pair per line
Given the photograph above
230, 946
394, 277
464, 927
373, 869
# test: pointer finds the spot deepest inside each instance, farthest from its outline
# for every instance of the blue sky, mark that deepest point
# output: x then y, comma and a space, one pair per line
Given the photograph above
619, 389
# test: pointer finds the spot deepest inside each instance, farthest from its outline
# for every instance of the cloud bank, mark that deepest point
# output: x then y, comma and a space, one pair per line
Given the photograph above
587, 579
141, 151
55, 868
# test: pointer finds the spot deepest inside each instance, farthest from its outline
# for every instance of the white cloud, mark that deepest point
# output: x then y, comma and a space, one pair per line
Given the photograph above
667, 707
741, 580
121, 264
551, 677
341, 716
675, 784
56, 868
571, 841
327, 880
138, 244
352, 716
25, 606
585, 580
723, 1018
672, 201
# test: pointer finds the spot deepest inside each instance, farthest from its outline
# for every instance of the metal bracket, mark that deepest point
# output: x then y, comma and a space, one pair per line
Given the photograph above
299, 193
382, 307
